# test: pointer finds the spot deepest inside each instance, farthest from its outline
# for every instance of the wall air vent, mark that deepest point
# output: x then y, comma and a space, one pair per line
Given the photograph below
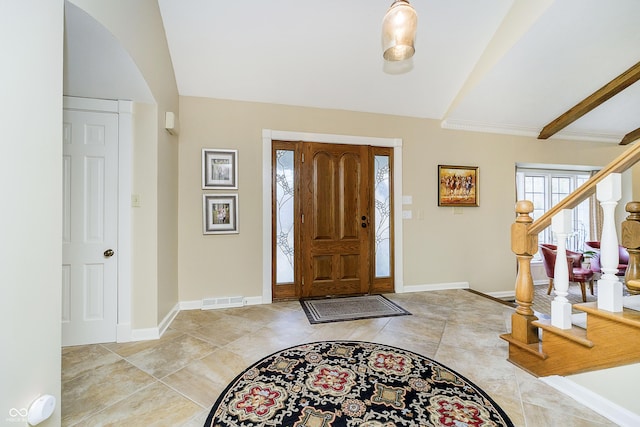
224, 302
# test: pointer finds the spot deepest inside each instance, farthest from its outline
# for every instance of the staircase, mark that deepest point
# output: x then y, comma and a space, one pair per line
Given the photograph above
612, 334
611, 339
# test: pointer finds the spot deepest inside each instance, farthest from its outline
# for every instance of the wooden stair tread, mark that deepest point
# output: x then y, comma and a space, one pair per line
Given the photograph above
534, 348
611, 339
627, 316
575, 334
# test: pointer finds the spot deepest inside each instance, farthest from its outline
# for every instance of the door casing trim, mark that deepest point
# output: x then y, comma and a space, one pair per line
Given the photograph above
268, 135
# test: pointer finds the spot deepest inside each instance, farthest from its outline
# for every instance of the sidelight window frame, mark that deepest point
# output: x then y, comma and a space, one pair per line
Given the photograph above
293, 289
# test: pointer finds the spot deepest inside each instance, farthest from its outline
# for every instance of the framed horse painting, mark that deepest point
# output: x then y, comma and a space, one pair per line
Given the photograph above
458, 185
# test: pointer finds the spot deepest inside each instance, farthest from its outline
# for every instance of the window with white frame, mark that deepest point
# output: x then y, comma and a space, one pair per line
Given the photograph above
545, 188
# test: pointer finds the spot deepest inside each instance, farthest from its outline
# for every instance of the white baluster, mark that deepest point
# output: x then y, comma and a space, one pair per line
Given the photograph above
608, 192
560, 306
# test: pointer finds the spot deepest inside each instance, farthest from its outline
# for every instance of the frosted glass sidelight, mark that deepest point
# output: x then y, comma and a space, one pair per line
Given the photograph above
284, 216
382, 216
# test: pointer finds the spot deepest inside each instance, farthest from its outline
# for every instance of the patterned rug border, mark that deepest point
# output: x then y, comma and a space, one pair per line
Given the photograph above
315, 318
498, 408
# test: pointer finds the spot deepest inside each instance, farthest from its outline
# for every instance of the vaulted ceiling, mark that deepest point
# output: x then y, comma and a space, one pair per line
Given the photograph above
508, 66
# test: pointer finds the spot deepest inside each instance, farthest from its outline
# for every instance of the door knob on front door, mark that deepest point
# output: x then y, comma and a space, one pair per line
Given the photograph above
108, 253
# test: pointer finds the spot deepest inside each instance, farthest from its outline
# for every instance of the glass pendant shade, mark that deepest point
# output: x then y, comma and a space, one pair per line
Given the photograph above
399, 31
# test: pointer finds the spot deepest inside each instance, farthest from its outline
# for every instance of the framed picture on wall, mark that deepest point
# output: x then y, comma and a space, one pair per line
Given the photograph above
219, 169
458, 185
220, 213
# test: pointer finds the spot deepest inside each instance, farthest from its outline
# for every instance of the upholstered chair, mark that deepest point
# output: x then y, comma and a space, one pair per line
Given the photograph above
574, 263
623, 258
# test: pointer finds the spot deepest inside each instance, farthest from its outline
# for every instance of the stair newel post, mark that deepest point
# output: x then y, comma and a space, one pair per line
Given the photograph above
524, 245
560, 306
608, 193
631, 241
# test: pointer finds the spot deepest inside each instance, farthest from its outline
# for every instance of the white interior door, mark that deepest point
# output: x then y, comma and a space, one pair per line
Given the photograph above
90, 227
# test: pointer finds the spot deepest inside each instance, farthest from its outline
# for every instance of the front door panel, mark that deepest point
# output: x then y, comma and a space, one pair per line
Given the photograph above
335, 232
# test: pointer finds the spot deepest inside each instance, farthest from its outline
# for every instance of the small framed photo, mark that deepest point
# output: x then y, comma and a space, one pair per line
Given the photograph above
219, 169
458, 185
220, 213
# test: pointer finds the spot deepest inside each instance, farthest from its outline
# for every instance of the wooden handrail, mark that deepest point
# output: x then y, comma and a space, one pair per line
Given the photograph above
618, 165
524, 243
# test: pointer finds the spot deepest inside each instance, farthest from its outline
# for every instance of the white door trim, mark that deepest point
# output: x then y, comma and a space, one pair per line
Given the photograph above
268, 135
125, 144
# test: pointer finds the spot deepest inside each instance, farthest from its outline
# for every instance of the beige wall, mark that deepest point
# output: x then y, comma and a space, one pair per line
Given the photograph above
138, 26
167, 230
635, 174
144, 219
169, 248
439, 246
615, 384
31, 214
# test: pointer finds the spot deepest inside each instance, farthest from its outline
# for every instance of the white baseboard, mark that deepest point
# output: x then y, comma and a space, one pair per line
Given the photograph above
191, 305
126, 334
223, 302
166, 322
253, 301
197, 304
608, 409
123, 332
147, 334
435, 287
503, 294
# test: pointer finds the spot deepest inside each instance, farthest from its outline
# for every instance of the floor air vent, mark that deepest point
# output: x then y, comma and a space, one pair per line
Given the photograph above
226, 302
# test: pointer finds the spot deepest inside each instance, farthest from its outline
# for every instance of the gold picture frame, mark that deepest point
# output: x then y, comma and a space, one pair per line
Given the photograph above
458, 186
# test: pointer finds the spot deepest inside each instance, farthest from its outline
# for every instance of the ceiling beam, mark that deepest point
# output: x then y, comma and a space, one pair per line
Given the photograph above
606, 92
630, 137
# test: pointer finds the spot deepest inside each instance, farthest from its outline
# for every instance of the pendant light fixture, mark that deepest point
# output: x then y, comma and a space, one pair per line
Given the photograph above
399, 31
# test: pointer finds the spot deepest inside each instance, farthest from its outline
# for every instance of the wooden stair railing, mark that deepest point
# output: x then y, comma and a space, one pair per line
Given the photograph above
631, 240
618, 165
524, 243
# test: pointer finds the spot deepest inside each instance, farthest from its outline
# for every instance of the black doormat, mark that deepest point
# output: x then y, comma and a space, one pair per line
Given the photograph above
324, 310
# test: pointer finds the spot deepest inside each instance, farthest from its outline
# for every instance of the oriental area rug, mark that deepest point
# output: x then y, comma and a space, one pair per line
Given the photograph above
323, 310
355, 384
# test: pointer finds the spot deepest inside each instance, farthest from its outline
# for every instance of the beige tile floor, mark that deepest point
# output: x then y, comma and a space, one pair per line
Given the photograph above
175, 380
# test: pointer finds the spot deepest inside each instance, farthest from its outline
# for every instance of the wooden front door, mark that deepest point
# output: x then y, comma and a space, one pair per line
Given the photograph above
335, 238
